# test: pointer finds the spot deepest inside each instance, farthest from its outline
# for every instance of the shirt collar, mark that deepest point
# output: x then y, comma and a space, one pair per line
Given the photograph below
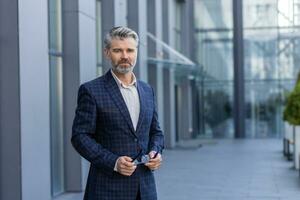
121, 84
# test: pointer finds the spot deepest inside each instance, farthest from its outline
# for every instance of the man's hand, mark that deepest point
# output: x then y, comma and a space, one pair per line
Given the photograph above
125, 166
154, 162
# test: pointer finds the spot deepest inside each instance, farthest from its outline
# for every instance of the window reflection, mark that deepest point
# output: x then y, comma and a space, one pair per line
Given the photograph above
214, 36
56, 96
271, 63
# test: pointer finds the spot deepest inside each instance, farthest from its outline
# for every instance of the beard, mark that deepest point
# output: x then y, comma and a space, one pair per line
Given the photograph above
123, 69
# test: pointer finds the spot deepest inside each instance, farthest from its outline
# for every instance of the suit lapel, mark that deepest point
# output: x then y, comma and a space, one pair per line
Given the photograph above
142, 106
115, 93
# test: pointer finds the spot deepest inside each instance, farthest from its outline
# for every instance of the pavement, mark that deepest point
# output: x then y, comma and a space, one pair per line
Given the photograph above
232, 169
245, 169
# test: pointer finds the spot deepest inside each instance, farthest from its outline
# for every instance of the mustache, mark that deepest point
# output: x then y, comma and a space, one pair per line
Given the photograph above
125, 61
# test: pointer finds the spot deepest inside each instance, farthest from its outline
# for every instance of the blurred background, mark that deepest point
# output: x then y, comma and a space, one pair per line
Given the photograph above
220, 69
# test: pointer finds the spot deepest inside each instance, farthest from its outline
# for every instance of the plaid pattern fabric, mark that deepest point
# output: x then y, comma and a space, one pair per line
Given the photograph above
102, 131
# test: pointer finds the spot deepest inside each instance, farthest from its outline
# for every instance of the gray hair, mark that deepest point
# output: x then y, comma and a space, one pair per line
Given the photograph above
121, 33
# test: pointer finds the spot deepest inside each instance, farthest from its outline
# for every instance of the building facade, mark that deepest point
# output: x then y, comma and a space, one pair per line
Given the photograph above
248, 52
220, 69
47, 49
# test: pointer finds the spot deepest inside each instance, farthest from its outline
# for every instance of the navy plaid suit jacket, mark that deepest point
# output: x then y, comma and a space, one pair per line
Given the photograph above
102, 131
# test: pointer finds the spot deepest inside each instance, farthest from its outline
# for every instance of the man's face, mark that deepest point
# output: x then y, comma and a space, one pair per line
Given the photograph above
122, 54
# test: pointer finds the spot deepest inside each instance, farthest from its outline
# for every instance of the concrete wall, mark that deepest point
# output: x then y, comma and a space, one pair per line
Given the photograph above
34, 99
137, 16
10, 130
155, 71
120, 12
87, 54
79, 43
184, 98
71, 81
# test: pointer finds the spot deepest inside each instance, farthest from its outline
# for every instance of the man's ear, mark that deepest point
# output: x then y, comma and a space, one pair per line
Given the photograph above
106, 53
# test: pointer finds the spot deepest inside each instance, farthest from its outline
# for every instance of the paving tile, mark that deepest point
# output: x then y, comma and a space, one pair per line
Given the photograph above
231, 169
250, 169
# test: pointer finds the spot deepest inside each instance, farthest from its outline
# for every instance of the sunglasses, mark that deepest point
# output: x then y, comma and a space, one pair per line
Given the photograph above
142, 159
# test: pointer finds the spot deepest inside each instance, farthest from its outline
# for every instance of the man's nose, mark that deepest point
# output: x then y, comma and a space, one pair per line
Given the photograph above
124, 54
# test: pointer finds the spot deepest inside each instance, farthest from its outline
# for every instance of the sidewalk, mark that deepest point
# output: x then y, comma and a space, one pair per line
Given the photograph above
253, 169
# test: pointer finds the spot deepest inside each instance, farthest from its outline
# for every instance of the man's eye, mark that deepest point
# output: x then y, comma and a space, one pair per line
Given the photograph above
130, 50
116, 50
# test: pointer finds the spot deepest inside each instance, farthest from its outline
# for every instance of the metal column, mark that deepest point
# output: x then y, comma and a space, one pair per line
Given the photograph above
10, 130
238, 57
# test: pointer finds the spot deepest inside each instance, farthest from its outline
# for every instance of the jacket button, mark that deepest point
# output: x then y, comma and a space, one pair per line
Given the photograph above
135, 139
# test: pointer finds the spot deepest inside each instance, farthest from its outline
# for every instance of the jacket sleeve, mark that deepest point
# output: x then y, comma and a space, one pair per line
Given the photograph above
156, 142
83, 132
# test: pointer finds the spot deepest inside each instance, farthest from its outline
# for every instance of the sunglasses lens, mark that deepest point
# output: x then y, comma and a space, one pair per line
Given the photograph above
145, 158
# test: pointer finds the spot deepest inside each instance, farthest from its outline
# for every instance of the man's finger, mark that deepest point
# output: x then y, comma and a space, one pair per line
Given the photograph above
126, 174
132, 168
155, 156
152, 165
126, 171
155, 160
124, 166
128, 159
128, 164
152, 154
125, 160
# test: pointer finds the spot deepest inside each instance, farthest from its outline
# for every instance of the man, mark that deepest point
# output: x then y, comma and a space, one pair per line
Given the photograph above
116, 126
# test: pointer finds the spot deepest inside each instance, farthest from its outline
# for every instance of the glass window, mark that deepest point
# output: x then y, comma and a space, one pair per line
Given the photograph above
271, 56
271, 63
214, 34
56, 96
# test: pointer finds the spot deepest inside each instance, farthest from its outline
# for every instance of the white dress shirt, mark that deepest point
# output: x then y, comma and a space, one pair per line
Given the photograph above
131, 98
132, 101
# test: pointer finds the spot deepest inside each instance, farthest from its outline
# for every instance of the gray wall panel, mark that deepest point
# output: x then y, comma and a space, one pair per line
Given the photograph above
166, 22
34, 95
87, 46
137, 18
87, 8
10, 148
151, 28
191, 37
79, 45
154, 20
120, 12
238, 56
87, 57
185, 110
168, 84
108, 21
169, 107
71, 81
